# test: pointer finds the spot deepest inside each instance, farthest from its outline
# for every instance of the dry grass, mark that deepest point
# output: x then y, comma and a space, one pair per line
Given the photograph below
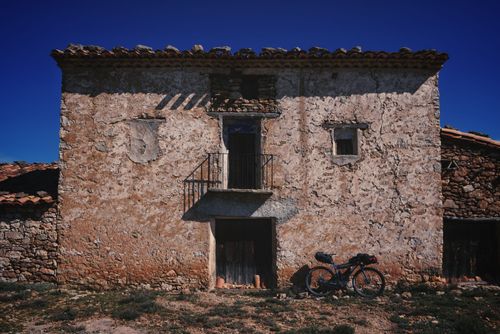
46, 308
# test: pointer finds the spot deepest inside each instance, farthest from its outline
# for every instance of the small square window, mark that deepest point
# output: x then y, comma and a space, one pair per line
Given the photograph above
345, 141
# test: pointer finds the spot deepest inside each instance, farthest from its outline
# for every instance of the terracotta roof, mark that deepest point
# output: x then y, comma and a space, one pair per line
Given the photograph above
91, 55
28, 183
470, 137
14, 169
21, 199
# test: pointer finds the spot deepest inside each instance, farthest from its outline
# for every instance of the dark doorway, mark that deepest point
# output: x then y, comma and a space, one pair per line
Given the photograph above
471, 249
242, 139
242, 161
244, 248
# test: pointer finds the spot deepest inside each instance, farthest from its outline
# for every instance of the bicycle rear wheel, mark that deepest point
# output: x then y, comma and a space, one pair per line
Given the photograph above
316, 281
368, 282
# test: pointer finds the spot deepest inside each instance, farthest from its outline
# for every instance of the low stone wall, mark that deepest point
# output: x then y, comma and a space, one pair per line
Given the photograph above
28, 243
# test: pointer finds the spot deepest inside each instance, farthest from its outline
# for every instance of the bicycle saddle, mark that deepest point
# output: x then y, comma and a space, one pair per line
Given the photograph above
324, 257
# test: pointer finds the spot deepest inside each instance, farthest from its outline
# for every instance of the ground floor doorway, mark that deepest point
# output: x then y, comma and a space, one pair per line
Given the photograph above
245, 248
471, 249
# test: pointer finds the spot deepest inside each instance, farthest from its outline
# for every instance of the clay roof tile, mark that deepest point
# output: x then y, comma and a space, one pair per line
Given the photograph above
93, 55
12, 176
470, 137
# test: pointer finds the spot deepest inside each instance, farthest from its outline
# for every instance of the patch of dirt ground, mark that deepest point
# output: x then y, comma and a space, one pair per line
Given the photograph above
45, 308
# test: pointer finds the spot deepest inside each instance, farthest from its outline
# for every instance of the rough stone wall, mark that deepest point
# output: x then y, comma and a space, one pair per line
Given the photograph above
471, 185
28, 243
128, 139
122, 220
388, 201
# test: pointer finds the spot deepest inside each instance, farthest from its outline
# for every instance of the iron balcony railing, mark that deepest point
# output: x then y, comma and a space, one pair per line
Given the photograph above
228, 171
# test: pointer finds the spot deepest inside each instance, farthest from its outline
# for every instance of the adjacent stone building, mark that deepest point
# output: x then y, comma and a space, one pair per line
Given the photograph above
471, 195
28, 232
181, 166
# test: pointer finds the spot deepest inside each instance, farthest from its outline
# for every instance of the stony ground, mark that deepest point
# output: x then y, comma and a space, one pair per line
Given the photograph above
44, 308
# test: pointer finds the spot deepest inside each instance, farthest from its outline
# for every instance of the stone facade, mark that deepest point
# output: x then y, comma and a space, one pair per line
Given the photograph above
471, 175
130, 134
471, 204
28, 243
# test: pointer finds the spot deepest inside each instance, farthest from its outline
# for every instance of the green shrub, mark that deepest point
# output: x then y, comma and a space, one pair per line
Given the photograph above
343, 329
35, 304
19, 295
11, 286
339, 329
126, 314
41, 287
188, 297
9, 327
138, 297
136, 304
471, 325
65, 314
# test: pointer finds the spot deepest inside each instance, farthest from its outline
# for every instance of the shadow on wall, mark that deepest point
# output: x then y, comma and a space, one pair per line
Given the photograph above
214, 204
31, 182
184, 100
189, 89
298, 279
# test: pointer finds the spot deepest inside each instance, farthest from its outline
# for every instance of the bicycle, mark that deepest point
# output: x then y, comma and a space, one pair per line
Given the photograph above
367, 282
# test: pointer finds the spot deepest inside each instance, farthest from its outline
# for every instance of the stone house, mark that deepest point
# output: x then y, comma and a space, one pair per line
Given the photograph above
471, 203
28, 232
181, 166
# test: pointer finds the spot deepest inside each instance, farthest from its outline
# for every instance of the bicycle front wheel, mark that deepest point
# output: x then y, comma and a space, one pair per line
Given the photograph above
368, 282
317, 279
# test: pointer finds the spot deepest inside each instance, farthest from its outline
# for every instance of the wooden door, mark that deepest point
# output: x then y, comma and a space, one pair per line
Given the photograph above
244, 249
470, 249
237, 261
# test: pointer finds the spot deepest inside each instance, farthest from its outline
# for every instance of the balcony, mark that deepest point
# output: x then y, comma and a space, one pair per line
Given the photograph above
229, 172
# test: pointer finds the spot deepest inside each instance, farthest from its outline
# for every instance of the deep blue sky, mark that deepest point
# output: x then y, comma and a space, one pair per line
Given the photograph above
30, 81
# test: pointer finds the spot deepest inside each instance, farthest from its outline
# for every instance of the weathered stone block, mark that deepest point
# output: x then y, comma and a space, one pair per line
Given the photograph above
14, 255
4, 261
13, 235
47, 271
42, 253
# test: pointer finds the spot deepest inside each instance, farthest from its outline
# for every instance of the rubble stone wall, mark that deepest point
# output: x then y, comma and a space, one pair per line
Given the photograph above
28, 243
121, 187
387, 201
471, 185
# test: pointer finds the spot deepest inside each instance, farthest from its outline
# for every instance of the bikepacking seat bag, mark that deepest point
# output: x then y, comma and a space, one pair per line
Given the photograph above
323, 257
364, 259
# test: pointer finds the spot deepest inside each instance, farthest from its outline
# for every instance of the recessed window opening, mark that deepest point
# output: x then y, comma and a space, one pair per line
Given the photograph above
249, 87
346, 141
